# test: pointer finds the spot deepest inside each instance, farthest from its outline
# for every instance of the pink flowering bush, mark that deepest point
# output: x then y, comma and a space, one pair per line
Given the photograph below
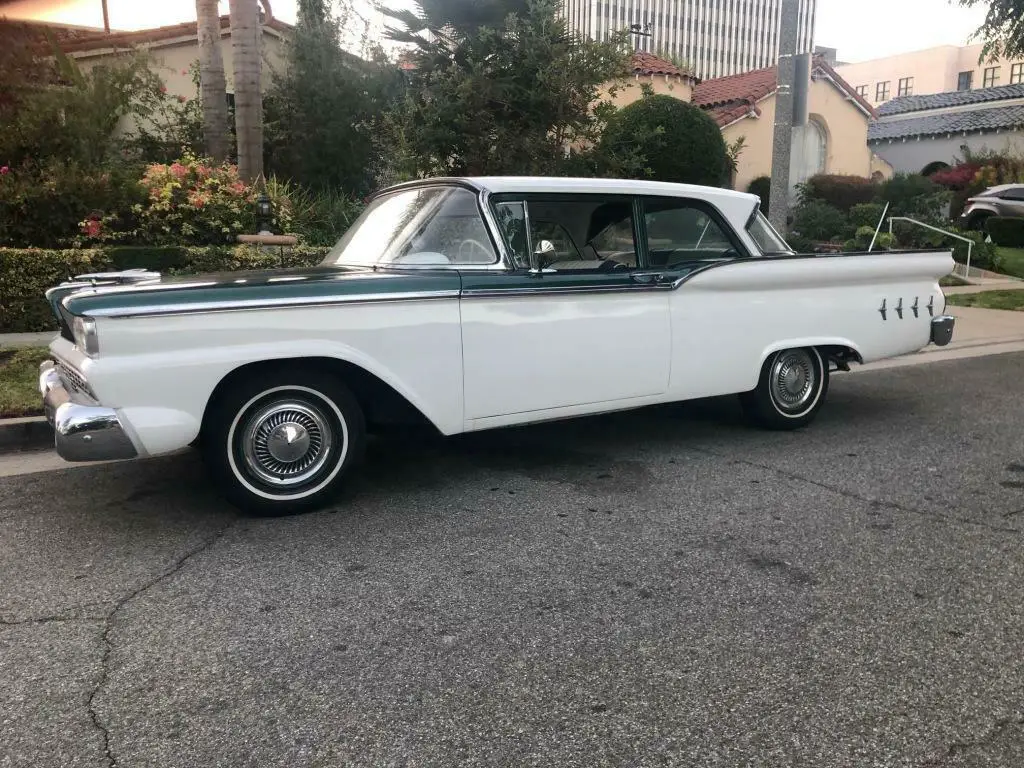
187, 202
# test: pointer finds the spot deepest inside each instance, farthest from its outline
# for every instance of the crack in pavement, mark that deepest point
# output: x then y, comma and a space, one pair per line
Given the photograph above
958, 747
932, 516
108, 622
75, 614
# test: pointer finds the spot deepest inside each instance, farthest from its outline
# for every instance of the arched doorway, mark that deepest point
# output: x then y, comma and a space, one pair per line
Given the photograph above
810, 151
931, 168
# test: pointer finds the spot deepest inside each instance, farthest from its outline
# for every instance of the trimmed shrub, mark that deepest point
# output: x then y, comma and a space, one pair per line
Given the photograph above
1006, 231
839, 191
820, 221
762, 187
866, 215
984, 255
25, 274
677, 141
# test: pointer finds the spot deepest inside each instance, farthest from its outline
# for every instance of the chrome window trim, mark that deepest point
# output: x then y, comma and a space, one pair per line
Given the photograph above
253, 305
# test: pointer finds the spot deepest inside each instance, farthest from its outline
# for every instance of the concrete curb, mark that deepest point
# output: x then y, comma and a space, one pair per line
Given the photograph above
33, 433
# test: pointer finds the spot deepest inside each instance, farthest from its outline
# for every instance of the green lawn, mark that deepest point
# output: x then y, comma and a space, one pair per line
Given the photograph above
1012, 261
19, 381
951, 280
988, 300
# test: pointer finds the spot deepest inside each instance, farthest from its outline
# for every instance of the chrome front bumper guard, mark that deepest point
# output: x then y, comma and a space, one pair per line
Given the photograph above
942, 330
82, 431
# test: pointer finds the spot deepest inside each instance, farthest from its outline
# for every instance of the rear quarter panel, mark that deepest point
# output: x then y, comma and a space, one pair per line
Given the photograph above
726, 320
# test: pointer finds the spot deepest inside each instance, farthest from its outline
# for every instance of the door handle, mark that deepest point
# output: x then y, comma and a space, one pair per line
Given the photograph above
647, 278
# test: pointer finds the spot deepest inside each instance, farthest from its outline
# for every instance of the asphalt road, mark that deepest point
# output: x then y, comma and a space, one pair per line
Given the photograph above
665, 587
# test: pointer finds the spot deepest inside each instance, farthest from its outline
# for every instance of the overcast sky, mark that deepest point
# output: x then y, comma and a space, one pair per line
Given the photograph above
860, 29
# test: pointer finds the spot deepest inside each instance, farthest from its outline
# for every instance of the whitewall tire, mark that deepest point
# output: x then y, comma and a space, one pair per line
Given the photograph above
791, 389
283, 442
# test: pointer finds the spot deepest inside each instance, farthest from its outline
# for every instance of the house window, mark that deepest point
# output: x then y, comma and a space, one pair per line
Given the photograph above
964, 81
1016, 74
862, 91
882, 91
906, 86
991, 77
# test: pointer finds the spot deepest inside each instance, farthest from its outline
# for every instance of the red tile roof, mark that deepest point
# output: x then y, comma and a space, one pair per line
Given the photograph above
645, 63
103, 41
728, 99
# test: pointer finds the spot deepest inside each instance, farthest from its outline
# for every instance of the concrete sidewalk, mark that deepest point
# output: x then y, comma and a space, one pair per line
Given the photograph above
8, 340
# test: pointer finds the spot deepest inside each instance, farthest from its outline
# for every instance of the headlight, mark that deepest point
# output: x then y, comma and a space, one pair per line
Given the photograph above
84, 331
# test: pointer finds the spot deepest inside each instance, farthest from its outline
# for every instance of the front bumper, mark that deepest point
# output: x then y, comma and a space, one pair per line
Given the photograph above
942, 330
82, 431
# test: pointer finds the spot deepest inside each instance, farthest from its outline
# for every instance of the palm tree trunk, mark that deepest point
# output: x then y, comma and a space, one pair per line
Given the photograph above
212, 85
245, 45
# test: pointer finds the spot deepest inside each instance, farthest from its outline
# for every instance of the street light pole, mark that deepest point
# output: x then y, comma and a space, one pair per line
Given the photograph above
782, 141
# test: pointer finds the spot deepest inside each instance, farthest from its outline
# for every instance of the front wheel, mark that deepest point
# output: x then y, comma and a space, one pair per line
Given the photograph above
283, 442
791, 389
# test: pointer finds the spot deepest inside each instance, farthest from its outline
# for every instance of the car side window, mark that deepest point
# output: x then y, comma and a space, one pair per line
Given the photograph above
582, 233
679, 232
511, 219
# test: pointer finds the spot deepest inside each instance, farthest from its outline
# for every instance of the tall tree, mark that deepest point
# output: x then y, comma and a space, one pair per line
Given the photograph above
319, 109
212, 83
499, 87
1003, 28
245, 45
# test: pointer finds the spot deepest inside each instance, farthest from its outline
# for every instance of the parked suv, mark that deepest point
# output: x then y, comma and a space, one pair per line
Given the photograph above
1003, 200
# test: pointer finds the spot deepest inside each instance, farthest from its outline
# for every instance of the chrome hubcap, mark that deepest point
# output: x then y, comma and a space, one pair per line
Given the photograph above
287, 443
793, 380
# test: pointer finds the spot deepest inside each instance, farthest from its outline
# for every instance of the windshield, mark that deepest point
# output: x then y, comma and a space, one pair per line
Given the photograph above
764, 234
427, 226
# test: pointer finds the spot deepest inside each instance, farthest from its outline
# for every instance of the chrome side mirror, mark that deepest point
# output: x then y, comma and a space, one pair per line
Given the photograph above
545, 246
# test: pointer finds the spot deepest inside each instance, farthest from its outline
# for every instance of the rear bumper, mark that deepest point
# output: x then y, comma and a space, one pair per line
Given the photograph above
942, 330
82, 431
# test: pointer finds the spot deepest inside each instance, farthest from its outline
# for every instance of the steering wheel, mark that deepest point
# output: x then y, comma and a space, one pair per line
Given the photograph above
488, 255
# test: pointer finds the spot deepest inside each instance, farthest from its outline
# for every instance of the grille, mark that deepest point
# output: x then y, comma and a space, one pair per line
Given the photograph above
71, 378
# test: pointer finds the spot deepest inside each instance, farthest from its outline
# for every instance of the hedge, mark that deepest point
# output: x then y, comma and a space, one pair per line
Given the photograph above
1006, 231
839, 191
26, 273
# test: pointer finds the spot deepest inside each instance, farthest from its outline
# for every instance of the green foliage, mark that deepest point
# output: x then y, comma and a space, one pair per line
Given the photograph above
42, 204
913, 195
188, 202
866, 215
675, 141
762, 187
984, 255
319, 110
820, 221
94, 119
503, 87
25, 274
321, 218
839, 191
1006, 231
1001, 31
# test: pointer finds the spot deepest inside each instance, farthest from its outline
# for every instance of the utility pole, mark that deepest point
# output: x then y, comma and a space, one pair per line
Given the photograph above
782, 142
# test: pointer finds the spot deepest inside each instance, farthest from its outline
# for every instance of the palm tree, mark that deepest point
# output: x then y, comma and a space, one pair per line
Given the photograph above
245, 44
212, 83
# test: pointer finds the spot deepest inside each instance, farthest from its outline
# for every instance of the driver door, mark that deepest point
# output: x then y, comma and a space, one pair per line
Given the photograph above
577, 334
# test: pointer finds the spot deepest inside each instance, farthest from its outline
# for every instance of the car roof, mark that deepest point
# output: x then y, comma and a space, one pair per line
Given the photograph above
735, 205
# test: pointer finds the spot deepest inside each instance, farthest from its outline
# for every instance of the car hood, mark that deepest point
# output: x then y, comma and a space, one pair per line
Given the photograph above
250, 289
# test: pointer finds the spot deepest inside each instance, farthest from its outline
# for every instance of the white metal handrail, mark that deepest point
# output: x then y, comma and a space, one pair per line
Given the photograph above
970, 243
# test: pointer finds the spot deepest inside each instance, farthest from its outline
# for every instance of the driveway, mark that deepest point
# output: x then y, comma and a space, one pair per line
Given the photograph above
664, 587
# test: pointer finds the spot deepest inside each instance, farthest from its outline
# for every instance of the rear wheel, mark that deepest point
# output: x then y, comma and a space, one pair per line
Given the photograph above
791, 389
284, 442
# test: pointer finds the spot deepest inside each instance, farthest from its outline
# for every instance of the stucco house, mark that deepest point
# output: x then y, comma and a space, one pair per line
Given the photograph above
662, 76
175, 48
834, 139
921, 134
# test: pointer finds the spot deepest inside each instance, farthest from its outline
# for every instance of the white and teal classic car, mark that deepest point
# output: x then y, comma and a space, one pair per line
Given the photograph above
470, 304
